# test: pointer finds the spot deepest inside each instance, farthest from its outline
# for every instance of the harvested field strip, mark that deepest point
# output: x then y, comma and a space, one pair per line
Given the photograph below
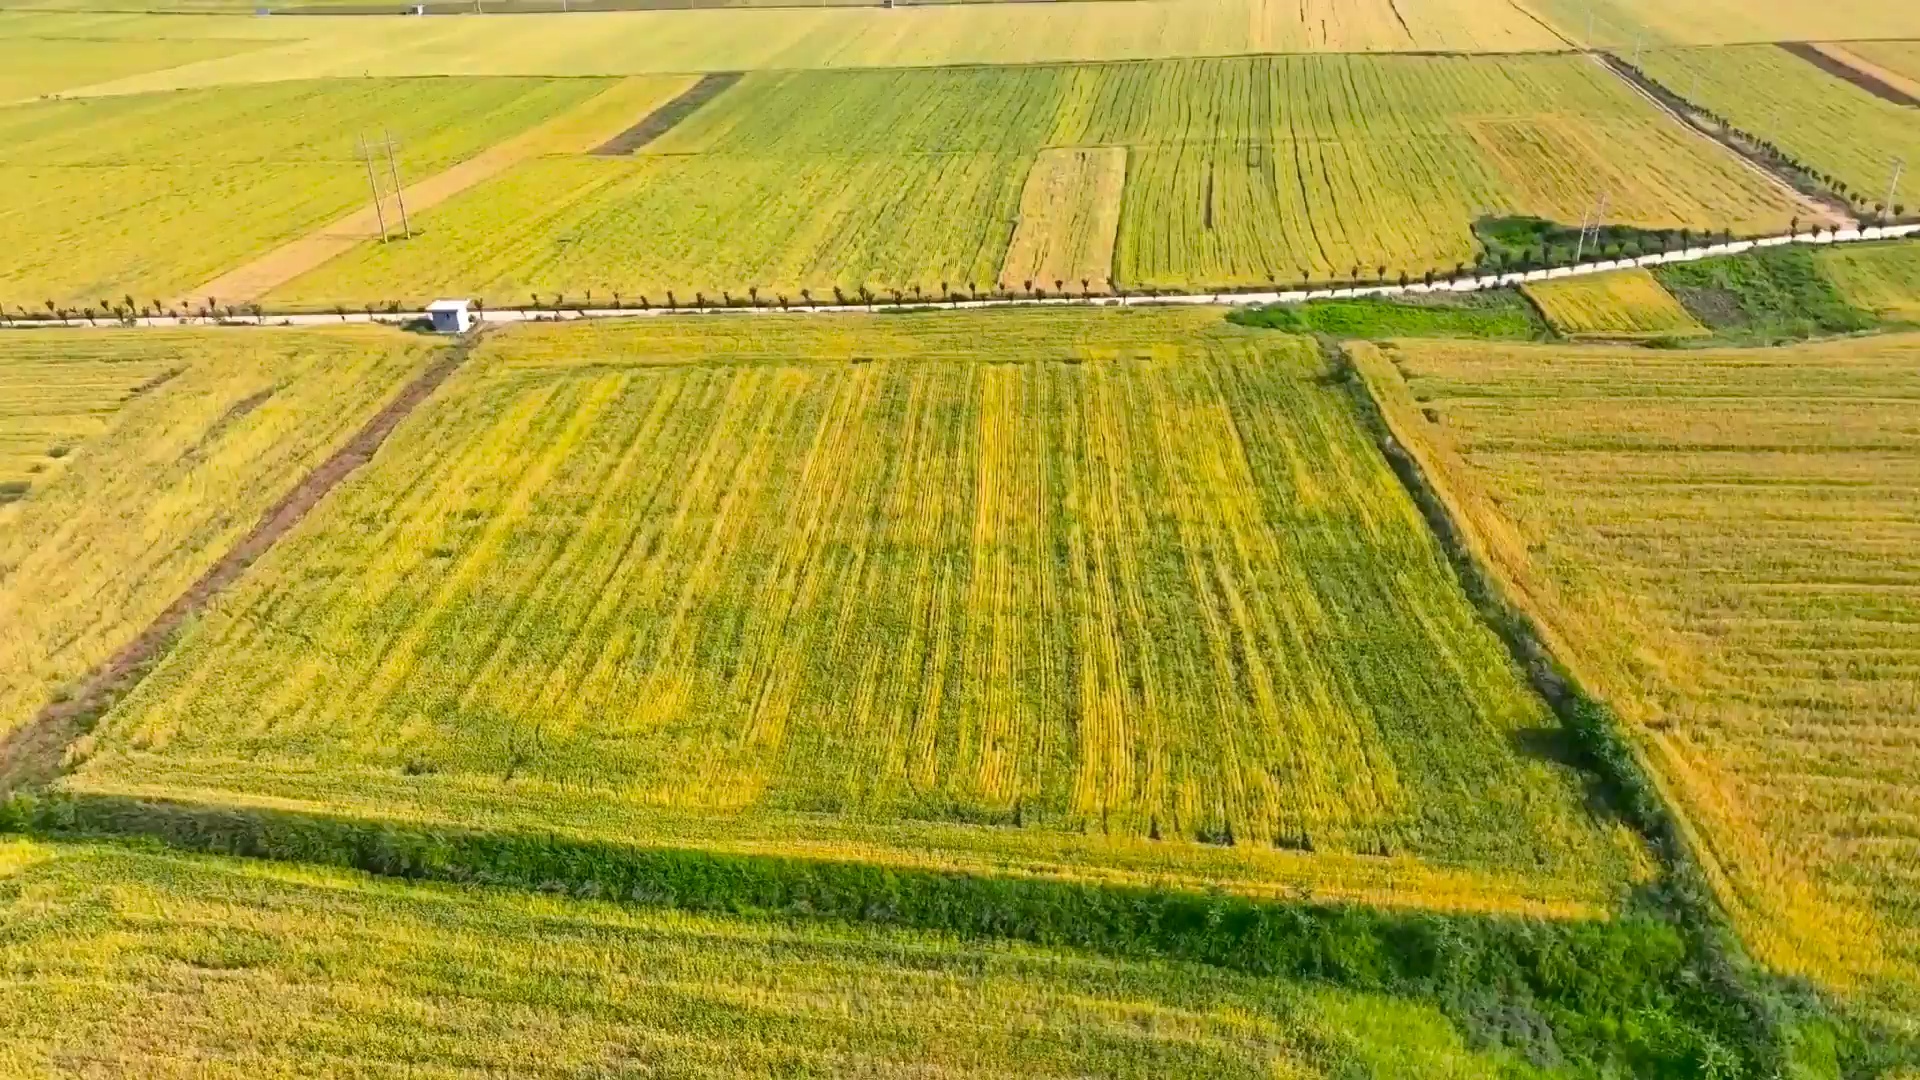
154, 195
1722, 543
1625, 304
1105, 593
571, 132
149, 501
1841, 64
663, 118
1069, 215
1882, 279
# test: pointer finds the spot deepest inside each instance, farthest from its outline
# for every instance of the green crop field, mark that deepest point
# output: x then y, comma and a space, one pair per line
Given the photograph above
1123, 595
34, 67
132, 460
152, 195
1725, 545
1881, 278
1243, 172
122, 962
1832, 126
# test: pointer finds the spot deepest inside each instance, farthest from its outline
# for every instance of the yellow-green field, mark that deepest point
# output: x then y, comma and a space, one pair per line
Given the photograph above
1831, 125
123, 962
1629, 303
1883, 279
1239, 173
1725, 546
171, 445
152, 195
673, 42
34, 67
1122, 595
1896, 63
1623, 24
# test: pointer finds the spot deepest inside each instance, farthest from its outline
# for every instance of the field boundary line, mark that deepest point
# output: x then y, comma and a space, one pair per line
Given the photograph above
264, 273
32, 754
1223, 298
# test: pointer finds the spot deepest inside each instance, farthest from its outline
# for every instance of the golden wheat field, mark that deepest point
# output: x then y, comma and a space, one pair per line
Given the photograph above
153, 195
1069, 219
379, 977
1629, 303
1121, 594
160, 450
1242, 172
1723, 545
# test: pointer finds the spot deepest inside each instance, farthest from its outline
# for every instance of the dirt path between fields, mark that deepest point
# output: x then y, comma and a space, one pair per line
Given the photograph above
565, 133
32, 754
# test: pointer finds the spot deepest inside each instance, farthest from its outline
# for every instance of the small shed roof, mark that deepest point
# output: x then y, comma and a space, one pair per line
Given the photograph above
450, 305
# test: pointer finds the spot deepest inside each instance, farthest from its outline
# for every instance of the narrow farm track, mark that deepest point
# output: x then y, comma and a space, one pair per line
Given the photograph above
1470, 283
32, 754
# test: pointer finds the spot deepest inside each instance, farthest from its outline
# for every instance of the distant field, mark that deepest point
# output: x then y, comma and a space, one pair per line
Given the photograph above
1832, 125
1725, 545
1244, 172
1629, 303
153, 195
1884, 280
675, 42
1620, 24
1121, 595
367, 975
144, 455
33, 67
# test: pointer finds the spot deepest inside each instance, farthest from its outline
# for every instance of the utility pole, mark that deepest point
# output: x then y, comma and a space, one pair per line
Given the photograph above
379, 212
399, 195
1597, 214
1893, 189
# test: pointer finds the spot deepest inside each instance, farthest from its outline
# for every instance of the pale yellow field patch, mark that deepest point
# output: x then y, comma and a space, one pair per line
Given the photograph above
1069, 217
575, 131
644, 42
1627, 304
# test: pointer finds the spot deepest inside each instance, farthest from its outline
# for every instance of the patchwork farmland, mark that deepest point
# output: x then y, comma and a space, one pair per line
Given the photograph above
1510, 682
1237, 173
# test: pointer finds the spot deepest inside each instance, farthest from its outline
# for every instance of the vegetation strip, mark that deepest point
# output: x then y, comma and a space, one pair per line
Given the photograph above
1628, 991
31, 754
1865, 80
662, 120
